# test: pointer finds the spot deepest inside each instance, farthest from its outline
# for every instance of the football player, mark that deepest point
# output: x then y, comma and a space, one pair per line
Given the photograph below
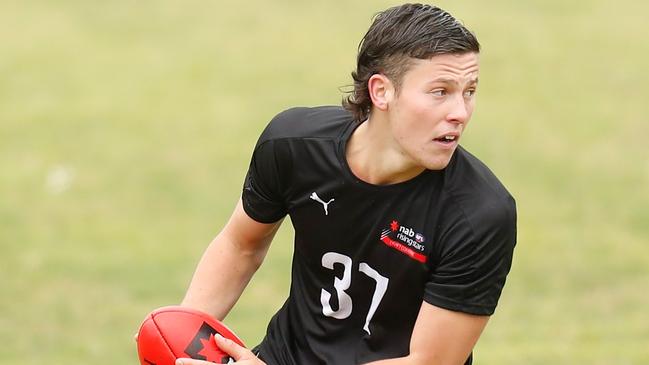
403, 239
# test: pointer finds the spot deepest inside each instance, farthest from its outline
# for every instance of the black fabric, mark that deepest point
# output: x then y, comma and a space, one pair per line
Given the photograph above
366, 256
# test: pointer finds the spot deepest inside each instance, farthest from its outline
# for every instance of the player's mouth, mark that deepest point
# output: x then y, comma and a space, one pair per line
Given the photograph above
448, 140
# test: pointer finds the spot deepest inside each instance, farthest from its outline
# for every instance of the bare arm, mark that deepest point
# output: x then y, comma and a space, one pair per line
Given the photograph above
229, 263
441, 337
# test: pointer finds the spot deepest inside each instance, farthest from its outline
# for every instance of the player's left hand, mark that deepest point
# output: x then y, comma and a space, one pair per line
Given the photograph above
240, 354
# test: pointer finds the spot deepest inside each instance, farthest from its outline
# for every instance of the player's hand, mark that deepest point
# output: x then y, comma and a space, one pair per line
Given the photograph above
240, 354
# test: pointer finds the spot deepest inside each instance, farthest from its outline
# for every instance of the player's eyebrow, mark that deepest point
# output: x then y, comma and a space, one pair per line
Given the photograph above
447, 80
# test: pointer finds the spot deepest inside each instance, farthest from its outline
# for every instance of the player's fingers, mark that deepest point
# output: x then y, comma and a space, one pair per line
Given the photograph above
187, 361
135, 336
239, 353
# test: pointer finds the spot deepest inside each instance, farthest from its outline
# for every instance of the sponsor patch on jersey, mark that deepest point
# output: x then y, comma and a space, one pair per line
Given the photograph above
405, 240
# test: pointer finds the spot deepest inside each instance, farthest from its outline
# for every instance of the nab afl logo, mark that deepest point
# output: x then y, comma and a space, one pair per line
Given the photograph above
405, 240
203, 347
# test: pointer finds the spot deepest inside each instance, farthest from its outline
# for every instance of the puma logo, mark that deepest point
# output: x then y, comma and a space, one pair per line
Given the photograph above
315, 197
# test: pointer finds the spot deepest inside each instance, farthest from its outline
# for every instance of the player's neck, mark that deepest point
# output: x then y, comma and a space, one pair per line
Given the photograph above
374, 156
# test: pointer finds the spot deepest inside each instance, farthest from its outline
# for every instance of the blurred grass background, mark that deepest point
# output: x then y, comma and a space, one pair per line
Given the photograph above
126, 128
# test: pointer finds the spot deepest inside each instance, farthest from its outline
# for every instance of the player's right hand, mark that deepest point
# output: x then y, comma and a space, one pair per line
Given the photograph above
240, 354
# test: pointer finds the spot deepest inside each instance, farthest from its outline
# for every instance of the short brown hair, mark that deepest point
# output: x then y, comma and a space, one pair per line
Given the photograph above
397, 35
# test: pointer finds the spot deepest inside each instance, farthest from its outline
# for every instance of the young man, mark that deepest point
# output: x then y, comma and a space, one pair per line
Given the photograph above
403, 239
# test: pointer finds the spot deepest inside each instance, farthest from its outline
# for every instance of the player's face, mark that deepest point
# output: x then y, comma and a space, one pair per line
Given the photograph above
433, 107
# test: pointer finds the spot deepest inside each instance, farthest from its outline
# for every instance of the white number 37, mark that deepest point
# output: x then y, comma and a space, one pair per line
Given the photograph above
341, 284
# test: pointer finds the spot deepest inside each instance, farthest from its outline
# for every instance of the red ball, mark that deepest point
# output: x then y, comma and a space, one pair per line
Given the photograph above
169, 333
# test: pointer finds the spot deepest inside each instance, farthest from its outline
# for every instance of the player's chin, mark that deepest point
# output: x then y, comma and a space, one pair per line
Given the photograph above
438, 161
437, 166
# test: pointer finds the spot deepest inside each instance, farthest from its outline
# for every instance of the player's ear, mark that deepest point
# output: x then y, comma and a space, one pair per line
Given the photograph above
381, 90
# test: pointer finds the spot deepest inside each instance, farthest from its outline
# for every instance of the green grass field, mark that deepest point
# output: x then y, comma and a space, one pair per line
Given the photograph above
126, 128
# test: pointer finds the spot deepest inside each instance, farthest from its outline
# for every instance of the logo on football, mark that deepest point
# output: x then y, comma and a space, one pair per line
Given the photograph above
203, 346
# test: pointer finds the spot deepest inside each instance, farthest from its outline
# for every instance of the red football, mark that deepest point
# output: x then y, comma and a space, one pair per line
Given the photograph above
172, 332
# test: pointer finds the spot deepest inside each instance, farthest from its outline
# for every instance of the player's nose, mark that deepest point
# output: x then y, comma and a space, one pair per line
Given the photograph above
459, 111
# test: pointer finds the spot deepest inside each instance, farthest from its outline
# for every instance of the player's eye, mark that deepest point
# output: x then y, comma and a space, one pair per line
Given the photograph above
439, 92
469, 93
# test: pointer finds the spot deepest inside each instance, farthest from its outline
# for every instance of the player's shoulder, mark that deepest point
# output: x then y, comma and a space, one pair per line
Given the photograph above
471, 185
307, 122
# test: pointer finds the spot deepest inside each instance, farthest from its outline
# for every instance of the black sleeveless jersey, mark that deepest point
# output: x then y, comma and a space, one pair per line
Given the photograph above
366, 256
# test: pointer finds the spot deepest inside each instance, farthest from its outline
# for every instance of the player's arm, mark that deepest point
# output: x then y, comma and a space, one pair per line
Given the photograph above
468, 278
229, 263
441, 337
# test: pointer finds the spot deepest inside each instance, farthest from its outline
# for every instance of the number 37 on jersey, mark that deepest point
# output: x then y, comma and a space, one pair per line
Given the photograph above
345, 304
